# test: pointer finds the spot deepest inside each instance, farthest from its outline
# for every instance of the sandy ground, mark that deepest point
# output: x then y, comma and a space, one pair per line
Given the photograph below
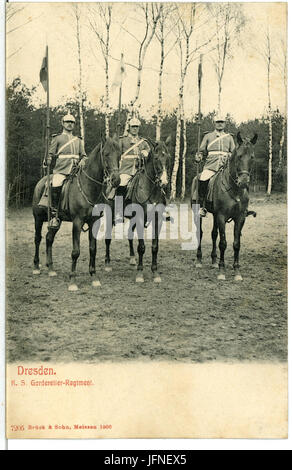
190, 316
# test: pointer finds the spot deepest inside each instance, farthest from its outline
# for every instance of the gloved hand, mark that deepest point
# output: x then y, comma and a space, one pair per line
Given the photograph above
198, 157
49, 161
82, 162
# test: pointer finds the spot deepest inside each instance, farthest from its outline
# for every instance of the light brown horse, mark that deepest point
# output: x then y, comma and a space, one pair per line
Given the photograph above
86, 189
230, 202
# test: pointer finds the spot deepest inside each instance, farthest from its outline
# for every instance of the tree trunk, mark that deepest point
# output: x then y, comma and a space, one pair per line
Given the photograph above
176, 155
184, 133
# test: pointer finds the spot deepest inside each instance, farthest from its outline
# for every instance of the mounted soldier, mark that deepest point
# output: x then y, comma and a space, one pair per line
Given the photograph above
217, 147
134, 148
67, 151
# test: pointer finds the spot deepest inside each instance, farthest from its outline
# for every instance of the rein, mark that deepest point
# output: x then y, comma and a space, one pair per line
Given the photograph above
103, 183
156, 183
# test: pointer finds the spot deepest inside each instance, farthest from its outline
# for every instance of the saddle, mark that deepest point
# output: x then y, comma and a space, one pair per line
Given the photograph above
210, 189
64, 197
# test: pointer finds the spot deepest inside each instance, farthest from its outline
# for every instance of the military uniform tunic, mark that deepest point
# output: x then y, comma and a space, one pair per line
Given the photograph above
129, 157
68, 149
217, 146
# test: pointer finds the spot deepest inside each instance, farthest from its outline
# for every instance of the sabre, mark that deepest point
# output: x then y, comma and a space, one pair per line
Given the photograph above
200, 74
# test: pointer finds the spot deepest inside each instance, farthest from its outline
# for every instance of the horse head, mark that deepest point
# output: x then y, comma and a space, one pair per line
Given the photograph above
244, 156
161, 159
110, 153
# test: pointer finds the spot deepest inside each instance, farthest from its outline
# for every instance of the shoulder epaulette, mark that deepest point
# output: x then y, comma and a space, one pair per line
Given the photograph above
207, 132
230, 133
54, 135
80, 137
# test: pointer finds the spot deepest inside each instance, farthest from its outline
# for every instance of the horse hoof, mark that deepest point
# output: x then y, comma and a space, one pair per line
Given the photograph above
133, 261
73, 288
95, 284
139, 278
108, 269
36, 272
157, 279
199, 265
221, 277
52, 273
215, 265
238, 277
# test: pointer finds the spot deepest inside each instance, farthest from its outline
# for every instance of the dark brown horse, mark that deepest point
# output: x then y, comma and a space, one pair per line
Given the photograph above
147, 192
87, 188
230, 202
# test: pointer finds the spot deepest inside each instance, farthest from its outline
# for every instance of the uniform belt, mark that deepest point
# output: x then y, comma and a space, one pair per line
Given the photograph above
68, 156
218, 152
130, 156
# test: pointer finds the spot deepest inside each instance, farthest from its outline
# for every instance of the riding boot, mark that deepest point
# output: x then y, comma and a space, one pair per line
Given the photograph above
203, 186
55, 199
119, 210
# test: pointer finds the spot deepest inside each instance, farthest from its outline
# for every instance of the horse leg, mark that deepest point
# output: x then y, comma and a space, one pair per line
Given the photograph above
214, 234
131, 244
199, 250
38, 222
92, 256
77, 225
238, 224
222, 246
107, 255
155, 243
141, 251
49, 249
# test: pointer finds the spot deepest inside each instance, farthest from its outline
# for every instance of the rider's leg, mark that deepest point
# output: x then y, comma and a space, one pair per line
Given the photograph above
56, 190
203, 187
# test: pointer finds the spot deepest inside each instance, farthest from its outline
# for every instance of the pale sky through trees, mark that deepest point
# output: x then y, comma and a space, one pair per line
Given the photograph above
244, 93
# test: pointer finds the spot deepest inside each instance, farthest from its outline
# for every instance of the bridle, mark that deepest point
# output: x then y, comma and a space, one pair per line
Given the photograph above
156, 181
235, 179
104, 183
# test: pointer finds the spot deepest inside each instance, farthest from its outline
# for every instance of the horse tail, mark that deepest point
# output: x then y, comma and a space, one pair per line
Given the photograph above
194, 189
38, 191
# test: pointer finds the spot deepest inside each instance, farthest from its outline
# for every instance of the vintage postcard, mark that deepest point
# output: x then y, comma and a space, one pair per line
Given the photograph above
146, 220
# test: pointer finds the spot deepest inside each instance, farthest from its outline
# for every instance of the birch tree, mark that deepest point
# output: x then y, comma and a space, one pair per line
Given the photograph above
77, 15
228, 23
100, 20
163, 32
150, 14
191, 40
268, 61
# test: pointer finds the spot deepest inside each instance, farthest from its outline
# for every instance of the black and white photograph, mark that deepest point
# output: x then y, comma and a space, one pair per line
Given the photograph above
146, 220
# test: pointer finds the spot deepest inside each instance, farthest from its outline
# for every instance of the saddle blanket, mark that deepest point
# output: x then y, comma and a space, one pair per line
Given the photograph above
64, 199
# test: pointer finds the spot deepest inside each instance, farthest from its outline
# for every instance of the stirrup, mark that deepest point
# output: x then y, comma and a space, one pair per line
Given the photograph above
54, 222
203, 212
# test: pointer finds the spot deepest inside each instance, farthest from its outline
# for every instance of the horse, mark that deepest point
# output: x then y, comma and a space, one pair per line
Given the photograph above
86, 189
230, 202
147, 189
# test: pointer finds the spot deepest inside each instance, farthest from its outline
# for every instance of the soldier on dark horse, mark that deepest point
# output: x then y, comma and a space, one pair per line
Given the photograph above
223, 190
66, 150
217, 147
143, 172
82, 190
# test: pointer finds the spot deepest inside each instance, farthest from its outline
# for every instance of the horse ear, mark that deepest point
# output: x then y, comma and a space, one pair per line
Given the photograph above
254, 139
239, 139
168, 140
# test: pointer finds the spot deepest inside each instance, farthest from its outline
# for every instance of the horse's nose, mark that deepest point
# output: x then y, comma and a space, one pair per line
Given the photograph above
244, 180
164, 178
115, 179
